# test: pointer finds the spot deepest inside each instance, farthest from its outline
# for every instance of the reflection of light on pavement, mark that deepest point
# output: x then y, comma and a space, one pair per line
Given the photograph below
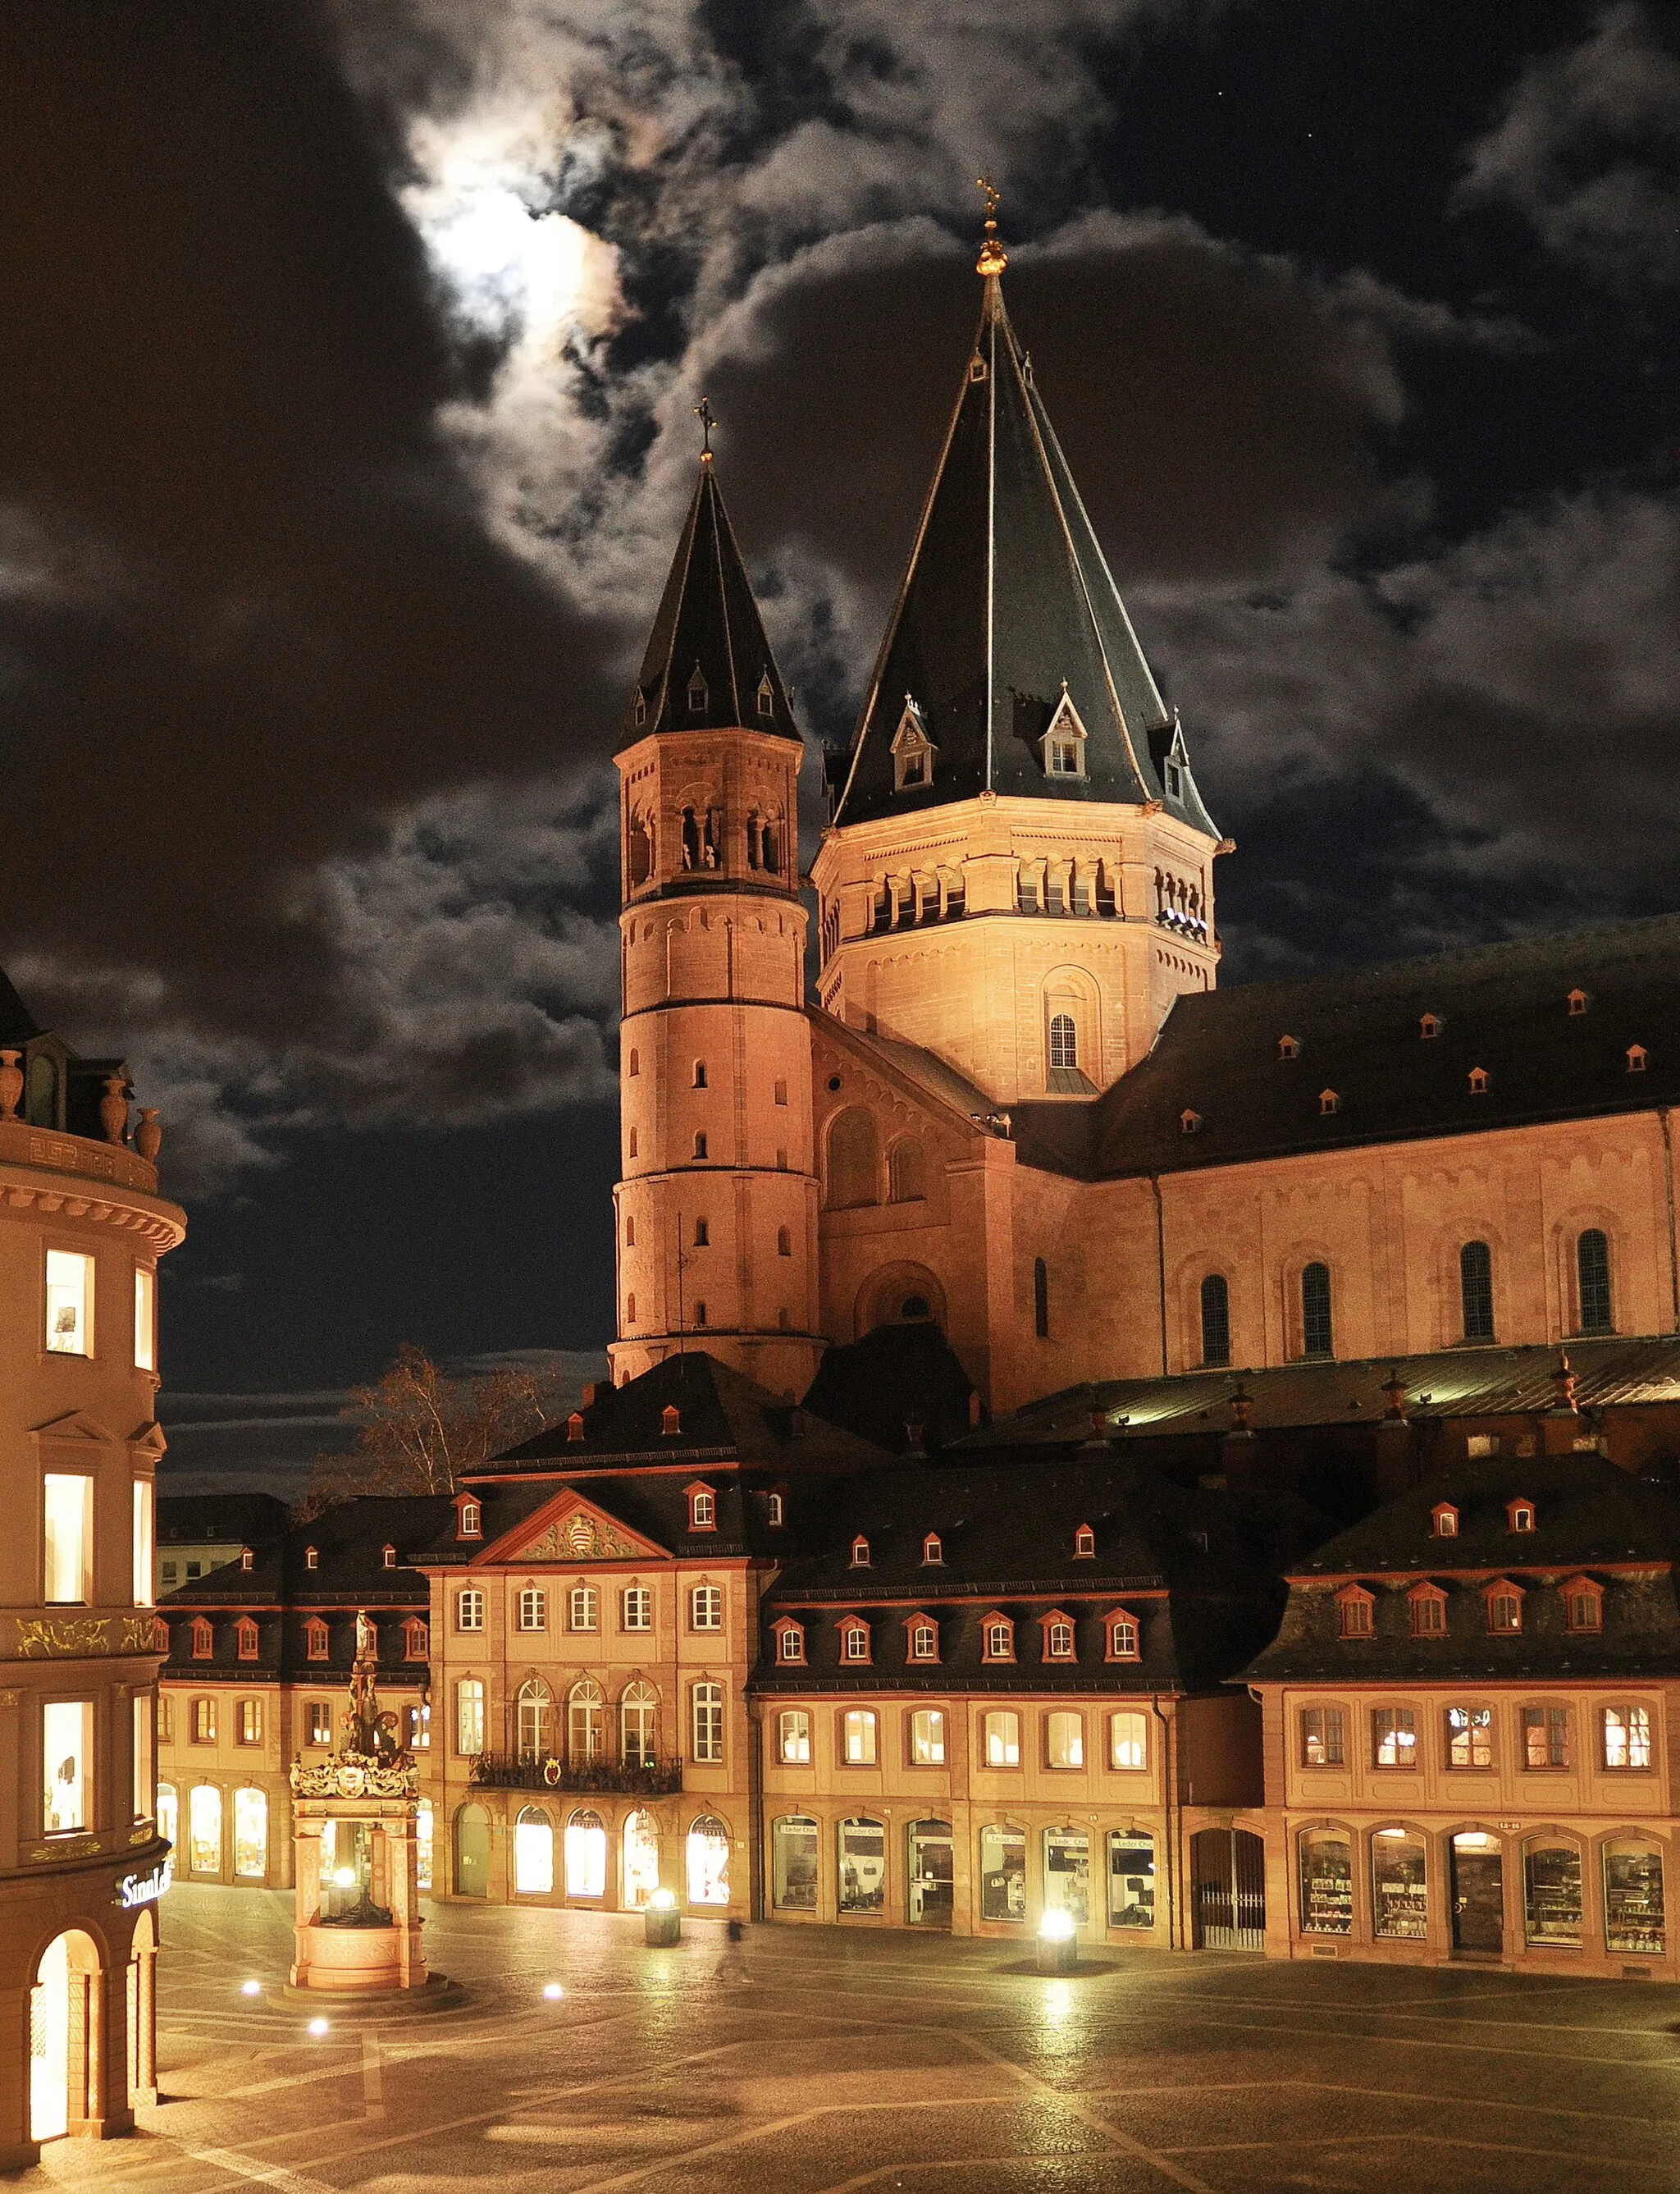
1058, 2001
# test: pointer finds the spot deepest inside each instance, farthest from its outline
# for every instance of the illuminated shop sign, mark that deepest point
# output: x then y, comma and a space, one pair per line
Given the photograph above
136, 1889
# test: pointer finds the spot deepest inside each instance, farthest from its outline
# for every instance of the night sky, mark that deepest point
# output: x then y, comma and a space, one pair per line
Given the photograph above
346, 389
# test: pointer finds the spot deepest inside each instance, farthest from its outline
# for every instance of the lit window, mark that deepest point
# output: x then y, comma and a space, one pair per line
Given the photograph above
533, 1853
1505, 1608
857, 1738
855, 1642
320, 1722
1393, 1737
1128, 1740
636, 1607
245, 1635
999, 1639
793, 1738
145, 1533
924, 1642
1625, 1735
66, 1758
70, 1298
315, 1642
204, 1721
705, 1607
248, 1729
1469, 1737
1003, 1740
860, 1552
586, 1854
931, 1549
469, 1609
790, 1643
146, 1319
533, 1608
1085, 1543
203, 1829
1321, 1743
1063, 1043
927, 1737
166, 1719
1064, 1740
68, 1516
469, 1716
144, 1727
707, 1702
583, 1608
1058, 1641
1545, 1737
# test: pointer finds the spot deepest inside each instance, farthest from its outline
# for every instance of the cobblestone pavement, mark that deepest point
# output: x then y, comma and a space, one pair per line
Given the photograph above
819, 2061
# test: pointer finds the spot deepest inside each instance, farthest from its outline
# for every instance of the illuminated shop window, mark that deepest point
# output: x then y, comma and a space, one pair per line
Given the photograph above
1003, 1873
586, 1854
793, 1850
861, 1855
1131, 1881
1129, 1739
707, 1861
203, 1829
533, 1855
469, 1716
1624, 1737
640, 1853
145, 1721
1399, 1886
1327, 1883
250, 1834
424, 1837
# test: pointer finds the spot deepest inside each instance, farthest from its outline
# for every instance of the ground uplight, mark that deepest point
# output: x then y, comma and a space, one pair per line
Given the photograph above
553, 1990
250, 1988
317, 2026
1057, 1926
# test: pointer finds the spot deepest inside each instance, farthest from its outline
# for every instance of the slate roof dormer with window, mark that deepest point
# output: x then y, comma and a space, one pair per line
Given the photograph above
1597, 1533
1011, 1553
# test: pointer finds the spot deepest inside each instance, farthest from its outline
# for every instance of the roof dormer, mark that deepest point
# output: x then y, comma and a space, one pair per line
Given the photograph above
913, 751
1064, 743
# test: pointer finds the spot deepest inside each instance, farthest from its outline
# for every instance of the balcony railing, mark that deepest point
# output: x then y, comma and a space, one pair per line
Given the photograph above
661, 1778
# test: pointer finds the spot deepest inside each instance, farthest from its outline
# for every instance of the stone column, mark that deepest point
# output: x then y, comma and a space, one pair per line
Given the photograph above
17, 2150
146, 2027
307, 1895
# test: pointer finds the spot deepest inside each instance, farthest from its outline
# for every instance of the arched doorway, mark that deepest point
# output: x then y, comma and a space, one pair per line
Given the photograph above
640, 1859
930, 1874
533, 1853
1227, 1874
899, 1295
472, 1852
709, 1861
142, 1989
66, 2036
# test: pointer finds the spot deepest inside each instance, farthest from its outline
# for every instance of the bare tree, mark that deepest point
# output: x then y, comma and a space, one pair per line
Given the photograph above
418, 1430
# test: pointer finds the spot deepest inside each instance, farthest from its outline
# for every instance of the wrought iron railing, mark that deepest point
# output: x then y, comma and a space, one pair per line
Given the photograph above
661, 1778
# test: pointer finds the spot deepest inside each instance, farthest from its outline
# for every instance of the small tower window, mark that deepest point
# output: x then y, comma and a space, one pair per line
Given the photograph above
632, 1150
629, 1230
1430, 1027
931, 1550
784, 1241
1579, 1003
766, 696
1215, 1318
1478, 1081
781, 1094
700, 1314
1041, 1299
1636, 1059
700, 1143
1288, 1047
640, 709
912, 750
635, 1066
1328, 1101
1064, 739
860, 1552
697, 691
700, 1074
976, 369
630, 1309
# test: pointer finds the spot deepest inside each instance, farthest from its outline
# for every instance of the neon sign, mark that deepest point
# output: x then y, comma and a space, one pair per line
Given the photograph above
136, 1889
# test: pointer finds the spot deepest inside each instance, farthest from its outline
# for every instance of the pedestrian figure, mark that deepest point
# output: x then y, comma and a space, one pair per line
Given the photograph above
733, 1969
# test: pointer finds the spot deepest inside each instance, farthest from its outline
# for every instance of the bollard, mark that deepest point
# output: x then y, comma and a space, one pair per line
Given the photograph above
1058, 1943
662, 1921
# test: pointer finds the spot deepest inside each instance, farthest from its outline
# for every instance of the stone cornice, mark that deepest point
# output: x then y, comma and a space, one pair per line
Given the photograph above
95, 1183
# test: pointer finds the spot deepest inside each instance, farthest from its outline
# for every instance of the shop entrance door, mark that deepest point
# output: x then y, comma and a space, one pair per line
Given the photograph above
1228, 1872
1478, 1895
931, 1873
472, 1852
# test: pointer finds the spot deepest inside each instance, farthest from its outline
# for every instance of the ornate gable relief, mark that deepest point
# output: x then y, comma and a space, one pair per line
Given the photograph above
75, 1429
1065, 738
578, 1533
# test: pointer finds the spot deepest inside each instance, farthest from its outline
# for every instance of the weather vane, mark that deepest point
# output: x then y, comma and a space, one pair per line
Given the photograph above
993, 258
704, 414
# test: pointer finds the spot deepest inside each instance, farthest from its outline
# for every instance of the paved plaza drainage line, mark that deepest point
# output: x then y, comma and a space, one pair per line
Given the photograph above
1120, 2143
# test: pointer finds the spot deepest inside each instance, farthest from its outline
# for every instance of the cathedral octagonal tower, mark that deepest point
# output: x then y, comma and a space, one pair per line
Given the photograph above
1019, 876
717, 1206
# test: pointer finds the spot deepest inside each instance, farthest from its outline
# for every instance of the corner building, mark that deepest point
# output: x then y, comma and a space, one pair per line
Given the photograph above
83, 1860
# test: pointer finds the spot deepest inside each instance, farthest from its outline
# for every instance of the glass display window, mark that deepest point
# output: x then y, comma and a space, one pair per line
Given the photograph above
66, 1760
1130, 1879
586, 1854
1326, 1882
709, 1861
641, 1859
1399, 1886
1003, 1873
203, 1830
1634, 1918
250, 1835
793, 1863
861, 1855
1551, 1886
533, 1853
932, 1874
1067, 1875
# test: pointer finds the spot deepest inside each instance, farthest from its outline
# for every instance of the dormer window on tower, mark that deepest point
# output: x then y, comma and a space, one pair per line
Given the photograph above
766, 696
1064, 739
913, 751
1175, 767
697, 691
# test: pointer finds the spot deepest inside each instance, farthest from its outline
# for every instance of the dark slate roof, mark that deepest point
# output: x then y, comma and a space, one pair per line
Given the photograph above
708, 618
18, 1025
1505, 1007
893, 1377
1589, 1517
237, 1519
654, 1504
1007, 596
999, 1549
1450, 1382
725, 1417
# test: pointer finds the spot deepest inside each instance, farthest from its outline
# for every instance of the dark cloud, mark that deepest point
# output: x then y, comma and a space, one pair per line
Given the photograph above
252, 605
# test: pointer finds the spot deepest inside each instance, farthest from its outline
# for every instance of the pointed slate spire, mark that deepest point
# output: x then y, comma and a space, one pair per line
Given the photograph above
1008, 627
708, 666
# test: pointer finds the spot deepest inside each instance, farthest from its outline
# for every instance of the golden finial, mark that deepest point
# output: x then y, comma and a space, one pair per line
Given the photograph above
993, 258
704, 413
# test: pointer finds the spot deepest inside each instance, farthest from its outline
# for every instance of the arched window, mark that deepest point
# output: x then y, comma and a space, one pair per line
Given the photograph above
640, 862
1593, 1265
854, 1160
709, 1861
767, 841
1063, 1043
904, 1171
584, 1718
533, 1853
1215, 1319
1317, 1334
535, 1700
639, 1721
690, 840
1475, 1290
641, 1859
1041, 1299
586, 1854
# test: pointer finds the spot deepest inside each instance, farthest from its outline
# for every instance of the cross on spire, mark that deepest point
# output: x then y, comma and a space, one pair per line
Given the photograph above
993, 258
708, 418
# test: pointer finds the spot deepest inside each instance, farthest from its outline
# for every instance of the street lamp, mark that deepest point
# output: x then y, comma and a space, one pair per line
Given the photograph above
1058, 1941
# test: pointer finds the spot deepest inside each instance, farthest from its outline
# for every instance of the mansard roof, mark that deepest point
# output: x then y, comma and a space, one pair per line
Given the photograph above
1007, 606
1502, 1008
708, 624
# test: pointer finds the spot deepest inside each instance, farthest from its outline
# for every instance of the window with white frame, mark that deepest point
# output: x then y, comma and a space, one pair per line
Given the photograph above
469, 1609
705, 1607
469, 1716
1064, 1740
999, 1640
319, 1716
1122, 1638
793, 1738
702, 1510
790, 1644
927, 1737
635, 1607
67, 1549
638, 1724
1058, 1641
854, 1641
146, 1319
70, 1303
1624, 1736
146, 1533
1129, 1739
924, 1641
1002, 1733
248, 1722
706, 1717
583, 1606
471, 1524
533, 1607
857, 1738
204, 1721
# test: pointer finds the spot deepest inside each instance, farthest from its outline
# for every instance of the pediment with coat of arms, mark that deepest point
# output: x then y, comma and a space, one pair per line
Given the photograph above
582, 1534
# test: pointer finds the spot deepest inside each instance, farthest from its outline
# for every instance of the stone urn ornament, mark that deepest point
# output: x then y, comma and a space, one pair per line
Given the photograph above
11, 1085
148, 1136
113, 1110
